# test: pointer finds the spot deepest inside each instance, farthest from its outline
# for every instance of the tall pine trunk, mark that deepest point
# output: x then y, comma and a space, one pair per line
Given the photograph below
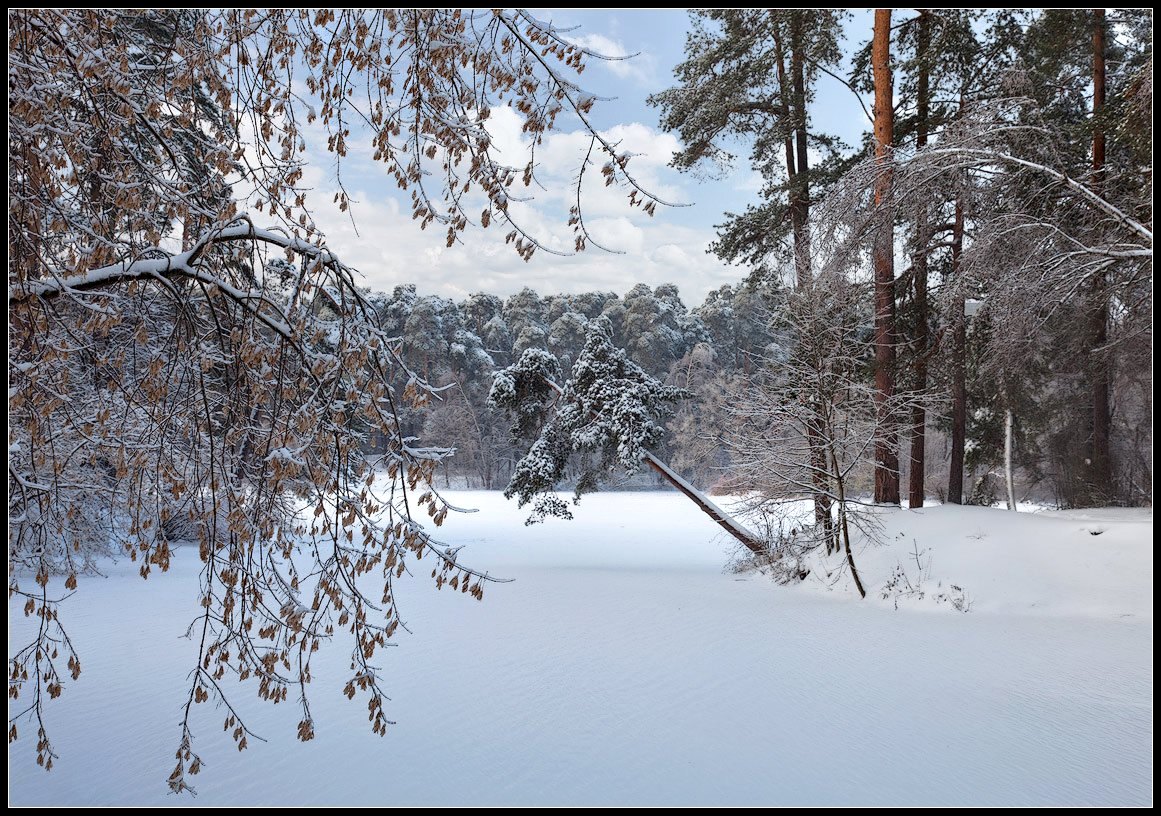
886, 454
792, 91
800, 189
916, 472
1100, 471
794, 145
958, 364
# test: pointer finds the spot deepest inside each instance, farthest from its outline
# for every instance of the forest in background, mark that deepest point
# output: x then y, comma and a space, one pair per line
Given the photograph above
713, 351
990, 242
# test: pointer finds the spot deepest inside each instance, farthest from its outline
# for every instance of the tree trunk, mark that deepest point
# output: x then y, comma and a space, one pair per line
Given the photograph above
1098, 97
958, 364
792, 92
721, 517
800, 188
797, 163
844, 526
1008, 460
916, 472
1100, 471
886, 454
802, 253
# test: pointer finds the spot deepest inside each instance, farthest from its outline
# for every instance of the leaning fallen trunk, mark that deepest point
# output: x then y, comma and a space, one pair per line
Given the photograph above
610, 405
721, 517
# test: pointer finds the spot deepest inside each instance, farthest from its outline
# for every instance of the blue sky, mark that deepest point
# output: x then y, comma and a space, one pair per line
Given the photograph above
389, 249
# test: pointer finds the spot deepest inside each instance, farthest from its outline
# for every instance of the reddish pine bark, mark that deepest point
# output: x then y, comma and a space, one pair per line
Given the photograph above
886, 454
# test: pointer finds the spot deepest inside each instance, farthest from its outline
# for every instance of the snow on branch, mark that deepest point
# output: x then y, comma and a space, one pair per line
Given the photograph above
181, 375
610, 411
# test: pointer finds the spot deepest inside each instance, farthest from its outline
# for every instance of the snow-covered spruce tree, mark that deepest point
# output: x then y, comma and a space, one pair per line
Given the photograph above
169, 381
610, 411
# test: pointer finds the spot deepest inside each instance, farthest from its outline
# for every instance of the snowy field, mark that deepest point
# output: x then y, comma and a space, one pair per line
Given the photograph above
623, 666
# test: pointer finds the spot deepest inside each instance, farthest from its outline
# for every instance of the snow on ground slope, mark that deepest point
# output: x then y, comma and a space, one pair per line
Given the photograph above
623, 666
1089, 563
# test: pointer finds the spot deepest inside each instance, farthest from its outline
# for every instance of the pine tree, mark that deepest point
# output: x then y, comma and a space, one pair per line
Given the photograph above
751, 74
883, 256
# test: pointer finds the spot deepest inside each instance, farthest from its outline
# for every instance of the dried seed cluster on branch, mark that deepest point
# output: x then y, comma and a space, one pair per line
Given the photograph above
180, 373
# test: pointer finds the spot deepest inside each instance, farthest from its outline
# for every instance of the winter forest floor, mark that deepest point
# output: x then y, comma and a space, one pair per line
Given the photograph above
624, 666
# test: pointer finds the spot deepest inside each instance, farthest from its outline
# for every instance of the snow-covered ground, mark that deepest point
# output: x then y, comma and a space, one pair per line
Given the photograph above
623, 666
1086, 563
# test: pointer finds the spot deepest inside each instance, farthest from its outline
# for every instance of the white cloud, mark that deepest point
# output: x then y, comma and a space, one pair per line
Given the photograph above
673, 257
619, 233
640, 67
379, 238
749, 180
390, 250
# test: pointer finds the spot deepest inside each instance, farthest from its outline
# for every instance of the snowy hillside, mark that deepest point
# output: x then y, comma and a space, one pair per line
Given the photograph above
1092, 563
